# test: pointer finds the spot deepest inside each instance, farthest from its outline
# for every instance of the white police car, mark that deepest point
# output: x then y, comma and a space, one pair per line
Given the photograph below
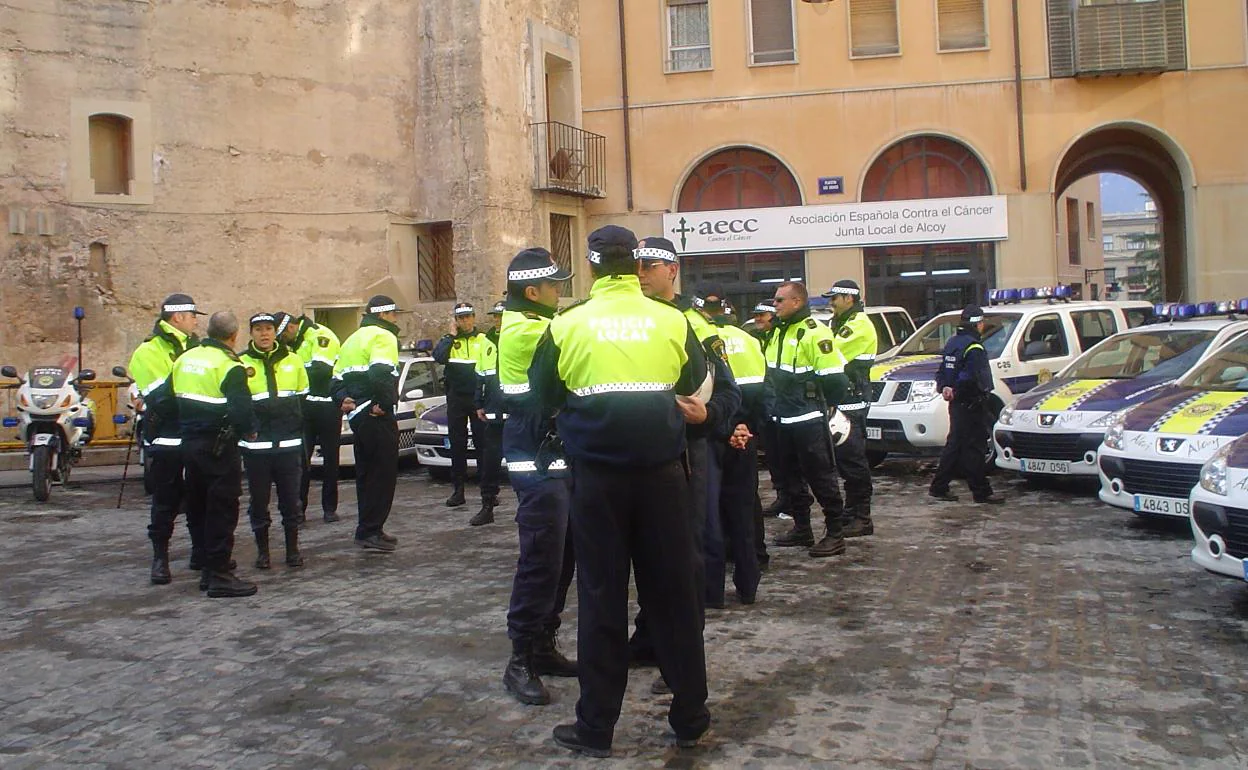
1219, 503
1056, 428
1153, 452
1029, 334
420, 389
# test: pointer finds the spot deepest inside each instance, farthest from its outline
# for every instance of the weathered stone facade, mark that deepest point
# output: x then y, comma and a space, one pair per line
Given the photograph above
285, 155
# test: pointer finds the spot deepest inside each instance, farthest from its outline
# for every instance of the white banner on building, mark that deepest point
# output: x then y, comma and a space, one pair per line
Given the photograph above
888, 223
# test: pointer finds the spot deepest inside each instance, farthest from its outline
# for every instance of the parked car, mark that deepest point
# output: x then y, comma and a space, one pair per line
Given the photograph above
1219, 505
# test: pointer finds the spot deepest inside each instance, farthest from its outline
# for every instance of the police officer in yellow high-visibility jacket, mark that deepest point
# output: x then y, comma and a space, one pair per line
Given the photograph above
214, 413
150, 365
366, 387
620, 369
458, 354
488, 400
278, 382
856, 341
805, 381
317, 346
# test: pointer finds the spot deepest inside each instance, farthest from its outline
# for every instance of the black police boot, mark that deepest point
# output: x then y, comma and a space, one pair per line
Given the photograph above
293, 557
945, 497
485, 515
520, 679
795, 538
548, 660
828, 546
331, 516
263, 561
160, 564
773, 510
457, 497
991, 499
223, 584
569, 737
858, 522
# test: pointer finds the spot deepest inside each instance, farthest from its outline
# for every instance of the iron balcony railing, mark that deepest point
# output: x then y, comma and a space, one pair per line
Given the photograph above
569, 160
1115, 38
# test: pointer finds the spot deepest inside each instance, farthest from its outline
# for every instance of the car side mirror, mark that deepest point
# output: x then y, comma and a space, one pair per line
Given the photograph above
9, 371
86, 375
120, 371
414, 394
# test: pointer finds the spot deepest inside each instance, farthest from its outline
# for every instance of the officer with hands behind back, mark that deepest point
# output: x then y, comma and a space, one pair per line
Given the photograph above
965, 381
621, 368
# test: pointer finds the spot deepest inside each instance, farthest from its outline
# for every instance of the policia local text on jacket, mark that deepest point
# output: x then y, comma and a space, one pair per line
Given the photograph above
965, 370
367, 372
318, 347
150, 366
613, 366
214, 412
805, 380
278, 383
856, 341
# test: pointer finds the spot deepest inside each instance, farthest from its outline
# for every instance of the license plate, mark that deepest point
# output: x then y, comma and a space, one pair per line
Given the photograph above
1171, 506
1045, 466
41, 440
875, 434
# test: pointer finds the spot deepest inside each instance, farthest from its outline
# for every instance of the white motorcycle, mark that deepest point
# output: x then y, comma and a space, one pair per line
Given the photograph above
54, 421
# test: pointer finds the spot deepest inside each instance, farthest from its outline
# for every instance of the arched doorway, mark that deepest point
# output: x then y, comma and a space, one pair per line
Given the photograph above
740, 178
927, 278
1143, 155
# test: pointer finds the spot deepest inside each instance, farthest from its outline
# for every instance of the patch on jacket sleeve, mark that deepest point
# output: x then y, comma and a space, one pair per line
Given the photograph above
825, 346
251, 371
323, 342
812, 323
846, 332
717, 347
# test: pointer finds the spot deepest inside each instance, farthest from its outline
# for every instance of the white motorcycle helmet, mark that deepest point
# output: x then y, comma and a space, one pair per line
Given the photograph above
840, 427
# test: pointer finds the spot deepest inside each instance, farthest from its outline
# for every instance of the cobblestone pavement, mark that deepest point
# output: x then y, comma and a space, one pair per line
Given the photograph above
1053, 632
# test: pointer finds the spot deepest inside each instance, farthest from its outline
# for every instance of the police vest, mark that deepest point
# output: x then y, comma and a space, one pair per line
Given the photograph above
516, 343
489, 400
318, 345
461, 363
801, 352
277, 382
150, 366
620, 358
857, 342
196, 379
369, 345
744, 356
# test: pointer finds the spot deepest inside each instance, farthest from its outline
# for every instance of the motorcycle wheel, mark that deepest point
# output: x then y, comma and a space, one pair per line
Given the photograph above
41, 472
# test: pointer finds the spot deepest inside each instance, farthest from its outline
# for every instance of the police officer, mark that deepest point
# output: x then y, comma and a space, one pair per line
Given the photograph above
366, 388
172, 335
965, 381
621, 368
735, 463
545, 567
805, 381
488, 400
764, 315
317, 346
458, 354
278, 382
856, 341
214, 412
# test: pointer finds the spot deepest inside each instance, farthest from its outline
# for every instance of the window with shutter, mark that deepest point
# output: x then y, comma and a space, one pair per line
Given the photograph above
771, 32
688, 35
873, 28
962, 24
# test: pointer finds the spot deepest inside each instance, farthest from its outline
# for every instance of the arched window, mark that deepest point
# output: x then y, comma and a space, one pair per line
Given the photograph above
740, 178
111, 157
927, 278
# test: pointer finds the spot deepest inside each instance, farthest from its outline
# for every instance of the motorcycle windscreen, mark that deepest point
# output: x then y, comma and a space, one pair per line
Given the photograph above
48, 377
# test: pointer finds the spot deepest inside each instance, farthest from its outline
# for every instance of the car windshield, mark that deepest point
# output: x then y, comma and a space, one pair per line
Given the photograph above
931, 338
1225, 370
424, 375
1162, 353
48, 377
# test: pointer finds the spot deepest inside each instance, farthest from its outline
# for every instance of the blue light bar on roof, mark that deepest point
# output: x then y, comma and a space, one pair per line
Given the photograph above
1207, 308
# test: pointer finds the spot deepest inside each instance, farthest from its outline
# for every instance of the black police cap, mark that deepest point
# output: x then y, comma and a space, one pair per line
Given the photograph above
535, 265
610, 237
380, 303
972, 314
179, 303
844, 287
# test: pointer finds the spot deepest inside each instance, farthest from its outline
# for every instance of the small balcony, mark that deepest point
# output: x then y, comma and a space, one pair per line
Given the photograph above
569, 160
1103, 37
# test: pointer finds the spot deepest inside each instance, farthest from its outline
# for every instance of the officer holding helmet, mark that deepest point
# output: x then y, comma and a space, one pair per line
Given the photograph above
965, 381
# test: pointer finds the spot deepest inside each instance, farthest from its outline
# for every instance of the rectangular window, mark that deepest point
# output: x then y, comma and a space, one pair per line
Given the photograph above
561, 247
873, 28
962, 25
1136, 271
1092, 326
688, 35
435, 263
771, 32
111, 169
1111, 274
1091, 221
1107, 242
1045, 338
1072, 231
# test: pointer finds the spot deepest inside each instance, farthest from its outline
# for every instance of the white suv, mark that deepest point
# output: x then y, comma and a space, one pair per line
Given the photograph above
1027, 343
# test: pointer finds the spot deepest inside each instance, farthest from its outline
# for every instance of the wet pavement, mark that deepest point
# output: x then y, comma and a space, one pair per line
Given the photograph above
1051, 632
